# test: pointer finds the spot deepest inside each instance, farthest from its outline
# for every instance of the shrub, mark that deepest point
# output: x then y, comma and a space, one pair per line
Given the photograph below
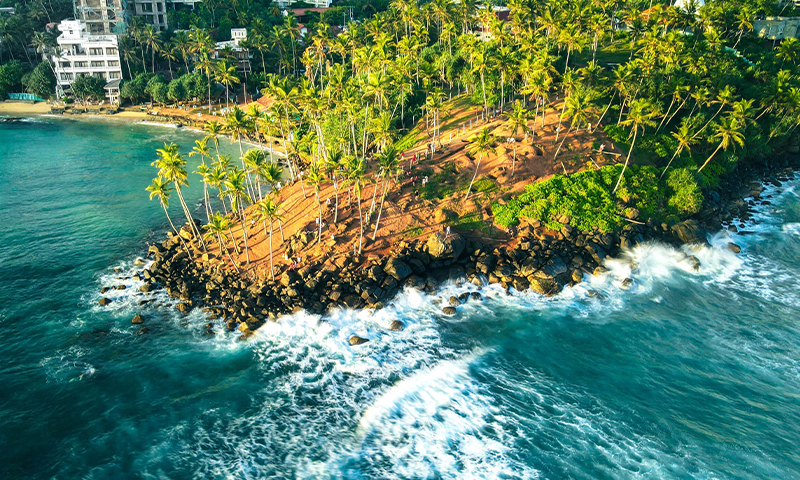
685, 195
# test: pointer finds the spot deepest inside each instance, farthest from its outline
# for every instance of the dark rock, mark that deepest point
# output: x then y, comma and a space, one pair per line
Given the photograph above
356, 340
734, 248
147, 287
397, 326
443, 247
694, 262
449, 310
453, 301
120, 287
543, 284
689, 231
104, 301
137, 320
476, 296
463, 297
626, 284
105, 289
183, 308
520, 283
398, 269
416, 282
143, 330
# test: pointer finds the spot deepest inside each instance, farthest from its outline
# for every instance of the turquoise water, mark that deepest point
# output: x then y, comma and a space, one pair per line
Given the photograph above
686, 375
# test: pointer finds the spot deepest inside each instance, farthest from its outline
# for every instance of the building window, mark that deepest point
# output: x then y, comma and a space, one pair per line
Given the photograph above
111, 51
66, 76
113, 75
147, 7
64, 64
80, 64
113, 63
98, 64
95, 51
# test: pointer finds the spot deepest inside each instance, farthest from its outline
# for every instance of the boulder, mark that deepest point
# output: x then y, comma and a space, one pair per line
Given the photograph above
183, 308
143, 330
356, 340
104, 301
289, 277
396, 326
443, 247
146, 288
543, 284
415, 282
453, 301
137, 320
105, 289
694, 262
476, 296
734, 248
397, 269
626, 284
449, 310
689, 231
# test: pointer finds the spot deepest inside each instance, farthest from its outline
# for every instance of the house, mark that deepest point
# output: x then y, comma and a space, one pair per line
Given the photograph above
82, 53
316, 3
242, 55
777, 28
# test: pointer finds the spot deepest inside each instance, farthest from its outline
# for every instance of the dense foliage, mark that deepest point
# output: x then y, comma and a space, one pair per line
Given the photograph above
586, 199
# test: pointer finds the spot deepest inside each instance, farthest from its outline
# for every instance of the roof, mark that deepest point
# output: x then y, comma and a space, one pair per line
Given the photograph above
112, 84
299, 12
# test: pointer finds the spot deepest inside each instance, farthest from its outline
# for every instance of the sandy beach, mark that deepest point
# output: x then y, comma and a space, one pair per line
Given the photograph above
21, 108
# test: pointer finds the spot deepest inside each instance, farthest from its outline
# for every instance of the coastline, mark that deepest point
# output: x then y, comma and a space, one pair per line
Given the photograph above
535, 259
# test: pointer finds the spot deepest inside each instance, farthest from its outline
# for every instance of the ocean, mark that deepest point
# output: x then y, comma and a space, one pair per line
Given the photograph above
688, 374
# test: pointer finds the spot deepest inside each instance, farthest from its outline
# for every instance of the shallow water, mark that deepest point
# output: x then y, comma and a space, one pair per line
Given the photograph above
686, 375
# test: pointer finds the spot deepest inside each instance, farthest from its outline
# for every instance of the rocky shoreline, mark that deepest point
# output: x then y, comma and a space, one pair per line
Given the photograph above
536, 260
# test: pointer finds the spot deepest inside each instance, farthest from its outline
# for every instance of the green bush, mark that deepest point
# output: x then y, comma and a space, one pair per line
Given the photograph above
586, 197
685, 195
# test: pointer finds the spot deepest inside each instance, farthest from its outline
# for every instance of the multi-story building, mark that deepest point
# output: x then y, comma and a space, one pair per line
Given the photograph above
102, 17
82, 53
154, 12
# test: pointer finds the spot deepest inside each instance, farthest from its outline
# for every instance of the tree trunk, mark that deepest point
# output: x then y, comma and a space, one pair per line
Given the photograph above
635, 132
477, 167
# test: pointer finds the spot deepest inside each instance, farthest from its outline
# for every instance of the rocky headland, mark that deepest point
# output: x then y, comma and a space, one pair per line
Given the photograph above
535, 259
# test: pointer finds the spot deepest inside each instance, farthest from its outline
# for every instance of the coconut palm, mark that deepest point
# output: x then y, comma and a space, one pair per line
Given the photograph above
578, 108
355, 178
236, 191
217, 227
684, 135
517, 121
315, 178
729, 132
333, 163
172, 167
256, 161
267, 211
389, 162
151, 38
160, 188
226, 75
481, 144
640, 116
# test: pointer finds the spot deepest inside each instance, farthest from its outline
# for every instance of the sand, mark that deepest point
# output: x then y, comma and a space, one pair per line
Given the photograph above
21, 108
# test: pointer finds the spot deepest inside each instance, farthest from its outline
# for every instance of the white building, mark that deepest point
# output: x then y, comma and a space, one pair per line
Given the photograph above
315, 3
84, 54
777, 28
238, 35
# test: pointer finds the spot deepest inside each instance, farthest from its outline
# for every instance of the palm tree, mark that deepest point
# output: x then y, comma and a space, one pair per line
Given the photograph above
578, 108
481, 144
684, 135
213, 130
256, 161
729, 132
151, 38
206, 64
217, 227
235, 189
332, 164
267, 210
518, 119
389, 162
640, 116
315, 178
355, 177
172, 167
160, 188
226, 75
